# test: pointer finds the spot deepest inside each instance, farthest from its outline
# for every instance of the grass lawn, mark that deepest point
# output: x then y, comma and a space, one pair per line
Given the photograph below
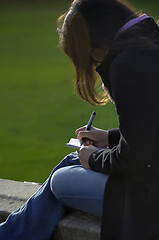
39, 111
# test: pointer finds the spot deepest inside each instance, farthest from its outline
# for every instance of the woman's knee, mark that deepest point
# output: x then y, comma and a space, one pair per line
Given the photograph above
75, 181
60, 182
55, 183
79, 188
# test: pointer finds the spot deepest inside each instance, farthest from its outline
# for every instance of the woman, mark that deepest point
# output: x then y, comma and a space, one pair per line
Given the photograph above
119, 182
125, 48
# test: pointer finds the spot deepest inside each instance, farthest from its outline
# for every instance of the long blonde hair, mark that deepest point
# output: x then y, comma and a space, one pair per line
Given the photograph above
75, 42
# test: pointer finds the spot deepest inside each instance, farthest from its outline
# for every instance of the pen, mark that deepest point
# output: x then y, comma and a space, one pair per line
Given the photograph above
89, 125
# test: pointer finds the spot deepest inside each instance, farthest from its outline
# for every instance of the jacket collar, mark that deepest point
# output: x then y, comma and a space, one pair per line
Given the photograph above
103, 68
103, 71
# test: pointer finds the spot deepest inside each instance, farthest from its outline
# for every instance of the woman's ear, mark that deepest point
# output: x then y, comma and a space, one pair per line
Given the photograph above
98, 54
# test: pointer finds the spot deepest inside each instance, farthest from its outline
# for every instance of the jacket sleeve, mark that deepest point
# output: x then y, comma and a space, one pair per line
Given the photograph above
113, 137
134, 109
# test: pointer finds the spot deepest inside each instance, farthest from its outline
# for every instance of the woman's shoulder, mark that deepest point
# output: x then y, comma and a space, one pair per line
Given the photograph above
136, 57
135, 65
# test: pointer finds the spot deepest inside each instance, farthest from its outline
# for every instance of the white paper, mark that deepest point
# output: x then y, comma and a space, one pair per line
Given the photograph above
74, 143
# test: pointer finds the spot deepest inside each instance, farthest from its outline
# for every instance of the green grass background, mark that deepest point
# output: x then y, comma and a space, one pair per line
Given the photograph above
39, 111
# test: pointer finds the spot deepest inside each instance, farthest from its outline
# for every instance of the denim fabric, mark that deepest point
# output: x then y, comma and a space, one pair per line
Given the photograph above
37, 218
80, 188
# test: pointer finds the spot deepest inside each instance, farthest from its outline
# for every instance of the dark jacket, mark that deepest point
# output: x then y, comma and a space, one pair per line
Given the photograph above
131, 201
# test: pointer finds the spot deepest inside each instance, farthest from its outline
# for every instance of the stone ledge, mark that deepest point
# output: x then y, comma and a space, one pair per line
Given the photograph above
75, 226
14, 194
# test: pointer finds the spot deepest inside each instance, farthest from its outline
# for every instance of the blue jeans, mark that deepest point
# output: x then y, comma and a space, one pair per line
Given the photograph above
68, 186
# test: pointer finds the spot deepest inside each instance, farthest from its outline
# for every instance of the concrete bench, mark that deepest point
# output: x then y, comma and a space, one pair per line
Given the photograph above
74, 226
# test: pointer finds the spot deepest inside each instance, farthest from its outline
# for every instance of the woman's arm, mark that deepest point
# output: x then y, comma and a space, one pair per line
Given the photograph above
113, 137
134, 108
96, 138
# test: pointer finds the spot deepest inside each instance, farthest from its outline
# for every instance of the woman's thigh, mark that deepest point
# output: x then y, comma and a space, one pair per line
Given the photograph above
80, 188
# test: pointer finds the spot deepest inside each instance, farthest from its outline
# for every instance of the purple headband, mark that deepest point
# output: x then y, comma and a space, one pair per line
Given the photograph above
129, 24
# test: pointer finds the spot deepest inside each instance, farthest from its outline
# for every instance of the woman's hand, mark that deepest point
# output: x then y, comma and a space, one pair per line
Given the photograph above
95, 136
84, 154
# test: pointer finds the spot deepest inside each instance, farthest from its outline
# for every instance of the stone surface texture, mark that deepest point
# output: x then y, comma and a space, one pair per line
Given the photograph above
74, 226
